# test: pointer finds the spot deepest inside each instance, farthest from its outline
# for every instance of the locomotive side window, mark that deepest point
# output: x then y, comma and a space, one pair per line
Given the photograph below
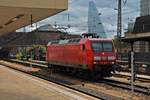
83, 47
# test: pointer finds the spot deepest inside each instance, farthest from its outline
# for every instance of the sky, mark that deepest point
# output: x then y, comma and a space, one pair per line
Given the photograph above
77, 15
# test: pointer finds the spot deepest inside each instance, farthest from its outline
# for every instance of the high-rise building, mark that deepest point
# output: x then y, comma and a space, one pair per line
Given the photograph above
130, 26
95, 25
145, 8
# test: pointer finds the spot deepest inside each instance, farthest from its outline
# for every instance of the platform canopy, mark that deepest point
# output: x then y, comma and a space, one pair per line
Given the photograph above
15, 14
130, 37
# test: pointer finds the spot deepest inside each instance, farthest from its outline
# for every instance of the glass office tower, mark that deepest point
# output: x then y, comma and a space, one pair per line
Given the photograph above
95, 25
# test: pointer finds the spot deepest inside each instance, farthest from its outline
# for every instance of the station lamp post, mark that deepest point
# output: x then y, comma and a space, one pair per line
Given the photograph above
119, 33
119, 26
132, 68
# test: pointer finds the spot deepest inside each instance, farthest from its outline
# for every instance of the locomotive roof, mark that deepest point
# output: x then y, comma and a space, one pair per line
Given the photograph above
102, 39
77, 40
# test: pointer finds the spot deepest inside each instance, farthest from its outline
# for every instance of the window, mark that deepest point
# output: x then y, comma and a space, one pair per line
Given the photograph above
83, 47
97, 47
107, 47
102, 46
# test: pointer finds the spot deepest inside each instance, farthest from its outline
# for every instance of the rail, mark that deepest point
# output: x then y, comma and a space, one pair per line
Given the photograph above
136, 62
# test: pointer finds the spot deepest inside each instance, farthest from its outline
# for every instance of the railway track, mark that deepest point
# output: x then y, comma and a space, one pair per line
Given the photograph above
115, 75
127, 86
96, 94
140, 67
128, 77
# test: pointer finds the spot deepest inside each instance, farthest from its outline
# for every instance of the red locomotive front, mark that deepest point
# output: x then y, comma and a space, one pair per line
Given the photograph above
104, 56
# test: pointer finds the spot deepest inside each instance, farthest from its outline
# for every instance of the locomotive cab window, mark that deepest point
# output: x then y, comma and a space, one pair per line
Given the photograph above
98, 46
107, 46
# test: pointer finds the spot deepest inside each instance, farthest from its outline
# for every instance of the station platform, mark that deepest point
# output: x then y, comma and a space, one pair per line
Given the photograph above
15, 85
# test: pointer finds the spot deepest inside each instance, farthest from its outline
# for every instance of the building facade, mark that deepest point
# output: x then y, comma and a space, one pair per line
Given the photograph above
145, 7
140, 30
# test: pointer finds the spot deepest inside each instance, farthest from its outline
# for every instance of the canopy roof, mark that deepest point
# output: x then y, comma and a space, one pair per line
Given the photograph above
15, 14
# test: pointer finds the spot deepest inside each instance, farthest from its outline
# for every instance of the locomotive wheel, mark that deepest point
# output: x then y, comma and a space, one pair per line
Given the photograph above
49, 65
95, 75
51, 68
73, 71
85, 74
107, 73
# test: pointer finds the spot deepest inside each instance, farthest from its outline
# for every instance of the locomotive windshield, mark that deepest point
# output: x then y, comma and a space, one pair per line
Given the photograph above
102, 46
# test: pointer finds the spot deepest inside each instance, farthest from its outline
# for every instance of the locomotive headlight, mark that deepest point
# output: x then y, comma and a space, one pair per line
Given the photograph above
113, 62
95, 62
111, 57
97, 58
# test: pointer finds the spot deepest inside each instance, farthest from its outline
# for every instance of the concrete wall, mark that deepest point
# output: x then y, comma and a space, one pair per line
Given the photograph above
58, 4
145, 7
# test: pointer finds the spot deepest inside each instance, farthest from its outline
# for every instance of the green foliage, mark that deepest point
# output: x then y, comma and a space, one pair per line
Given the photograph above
19, 55
37, 51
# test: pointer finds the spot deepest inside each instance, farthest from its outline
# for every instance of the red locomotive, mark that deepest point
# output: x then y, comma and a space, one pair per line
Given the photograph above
95, 55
